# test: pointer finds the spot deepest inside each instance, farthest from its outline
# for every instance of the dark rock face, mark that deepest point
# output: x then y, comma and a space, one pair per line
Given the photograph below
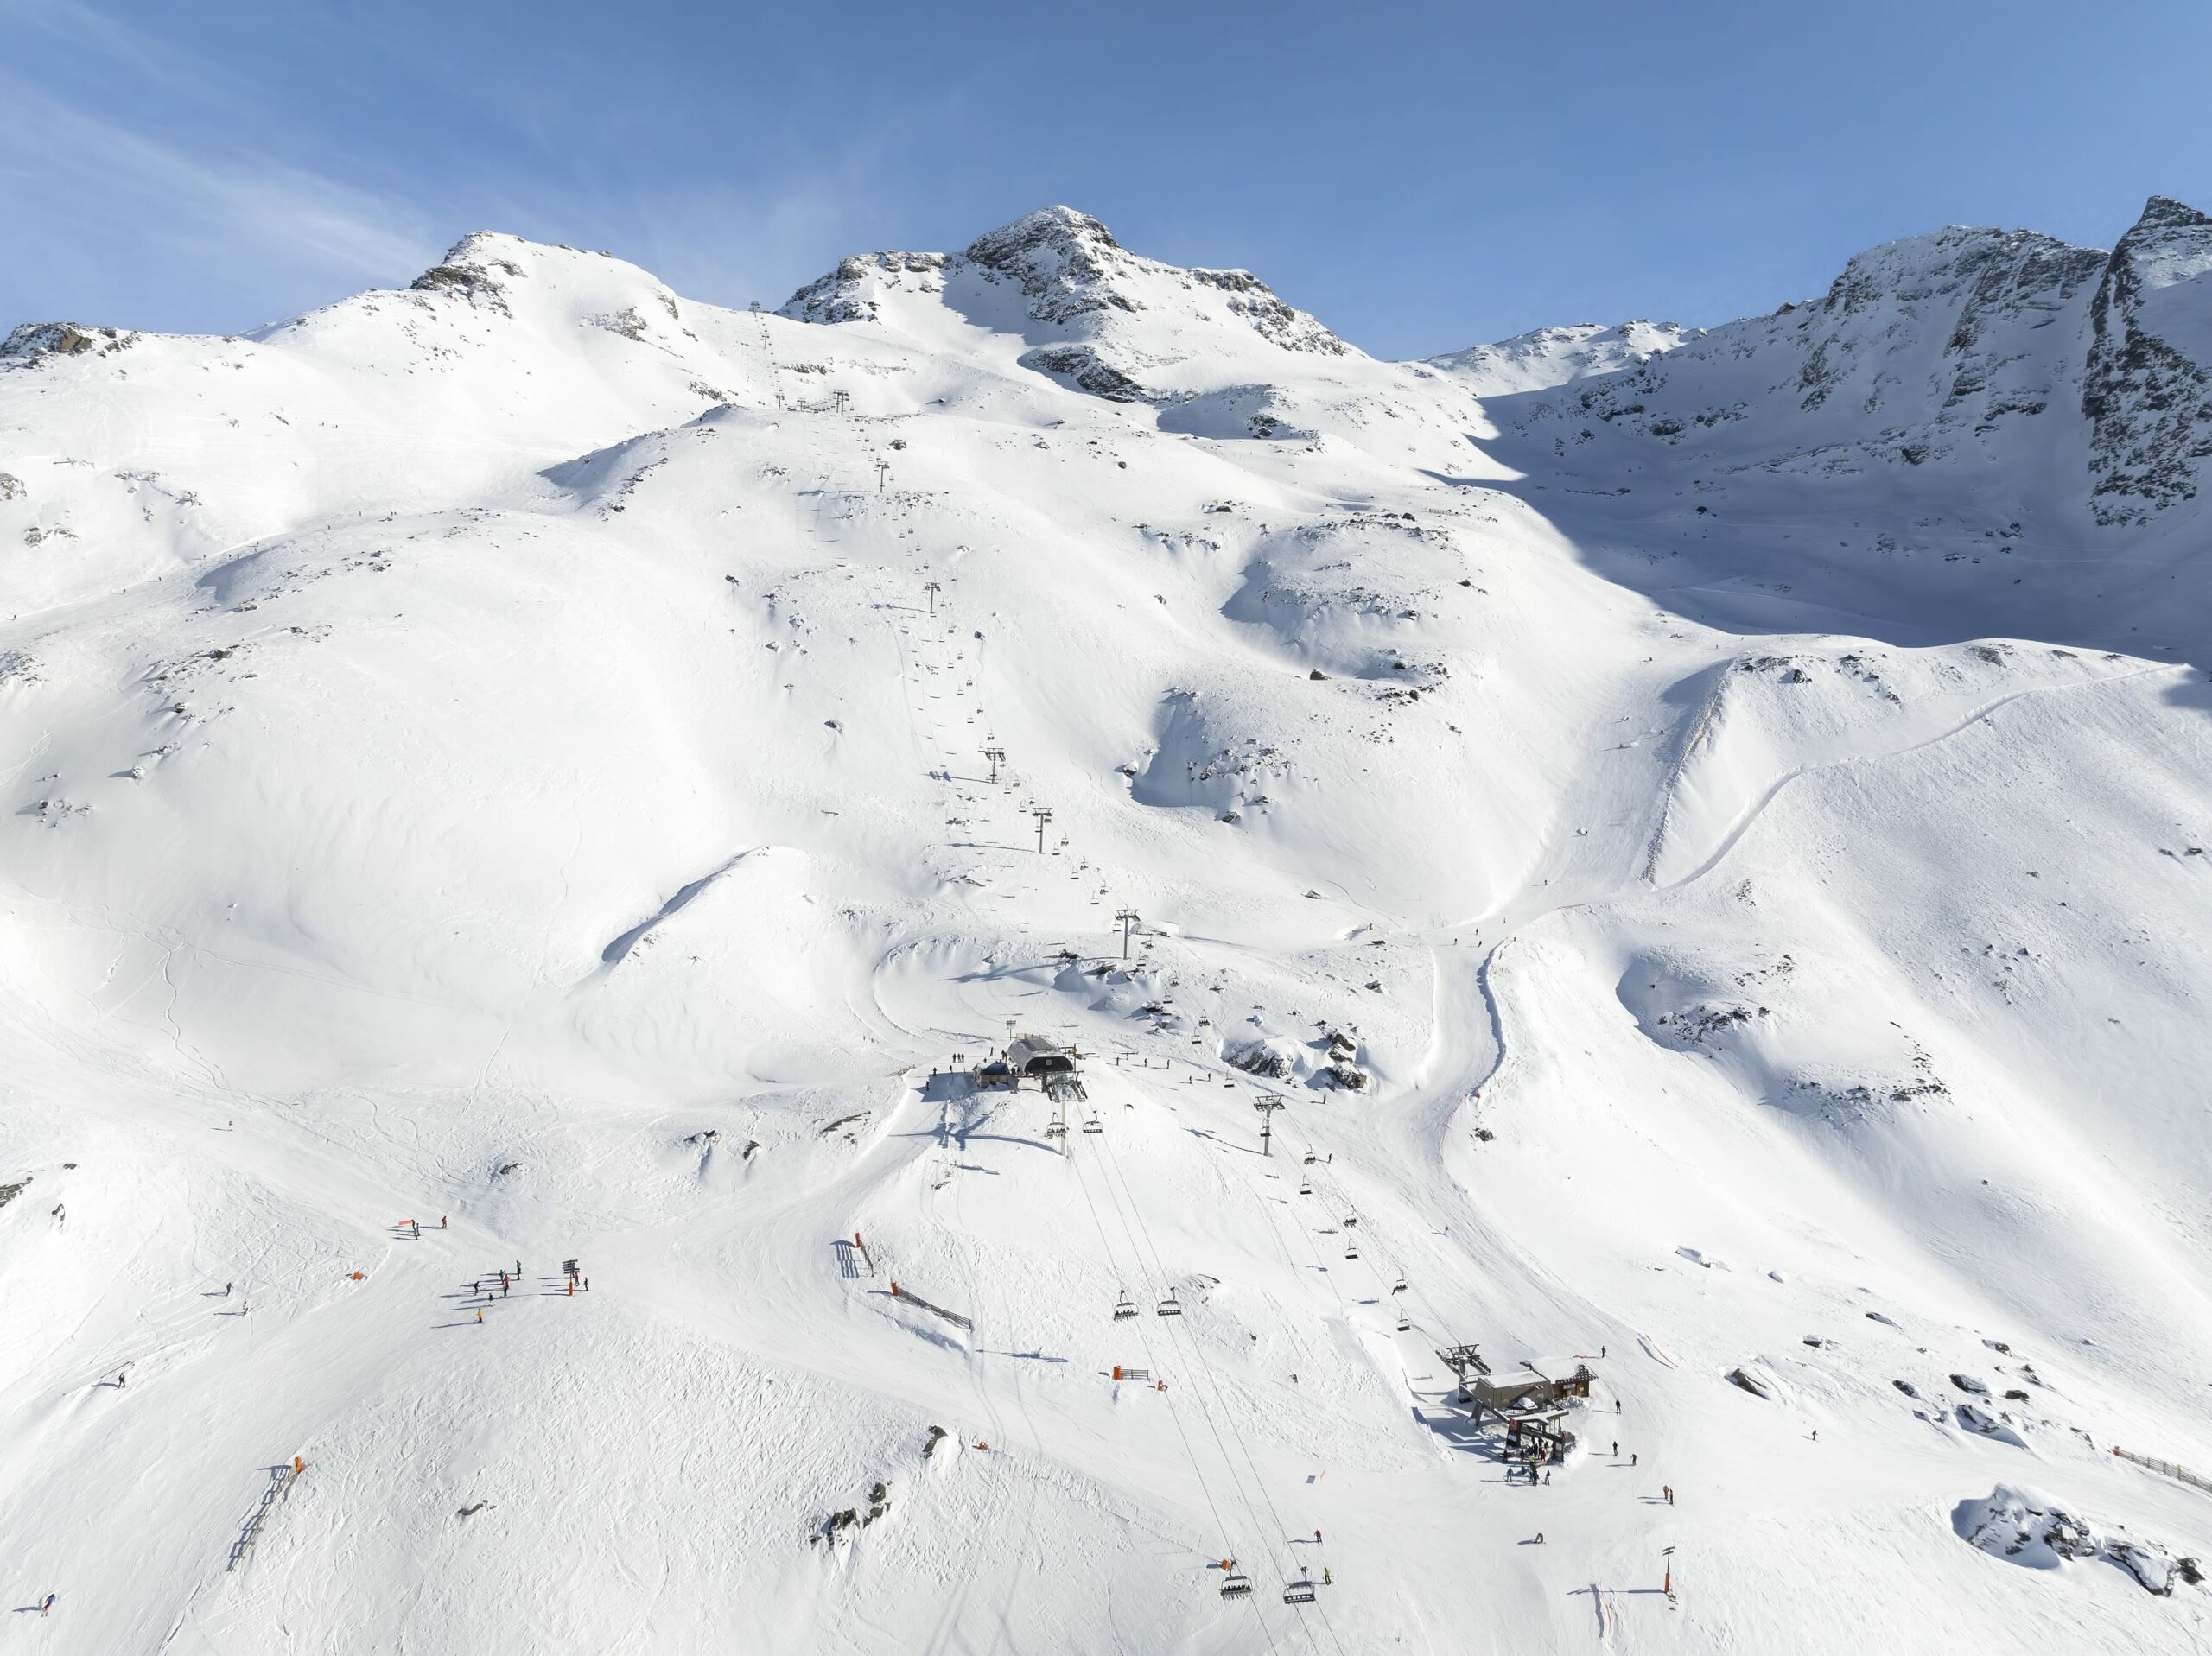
470, 271
34, 341
842, 295
1271, 318
1089, 371
1066, 262
2149, 403
1965, 349
1072, 274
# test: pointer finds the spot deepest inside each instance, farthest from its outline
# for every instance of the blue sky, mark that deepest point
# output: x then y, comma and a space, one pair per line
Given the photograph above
1422, 177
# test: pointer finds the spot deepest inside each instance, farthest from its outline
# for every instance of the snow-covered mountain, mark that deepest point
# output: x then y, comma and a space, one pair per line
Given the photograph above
1552, 356
1694, 844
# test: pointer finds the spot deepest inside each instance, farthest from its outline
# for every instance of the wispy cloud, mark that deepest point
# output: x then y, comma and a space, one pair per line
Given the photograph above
258, 205
100, 197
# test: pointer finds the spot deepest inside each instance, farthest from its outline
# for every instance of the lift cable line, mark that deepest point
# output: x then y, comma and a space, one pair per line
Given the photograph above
1198, 1359
1145, 1343
1124, 1207
768, 350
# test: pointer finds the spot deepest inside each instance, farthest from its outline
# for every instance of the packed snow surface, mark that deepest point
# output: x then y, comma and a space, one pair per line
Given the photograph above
1696, 847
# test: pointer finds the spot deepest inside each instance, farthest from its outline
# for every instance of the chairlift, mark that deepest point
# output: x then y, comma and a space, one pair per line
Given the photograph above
1350, 1219
1305, 1187
1171, 1306
1311, 1158
1125, 1308
1093, 1126
1236, 1585
1405, 1323
1399, 1287
1351, 1249
1299, 1591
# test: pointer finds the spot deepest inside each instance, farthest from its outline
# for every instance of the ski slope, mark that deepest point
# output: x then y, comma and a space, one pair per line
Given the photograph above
1710, 896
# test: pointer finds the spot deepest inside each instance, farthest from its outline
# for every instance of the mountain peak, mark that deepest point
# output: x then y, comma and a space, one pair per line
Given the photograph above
2164, 212
1046, 226
1074, 277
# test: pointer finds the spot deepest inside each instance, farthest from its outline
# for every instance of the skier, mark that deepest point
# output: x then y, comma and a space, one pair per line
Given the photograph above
1327, 1580
442, 1222
480, 1313
1667, 1489
226, 1291
1317, 1538
1632, 1458
502, 1290
1616, 1449
1547, 1477
119, 1379
46, 1604
1539, 1538
587, 1285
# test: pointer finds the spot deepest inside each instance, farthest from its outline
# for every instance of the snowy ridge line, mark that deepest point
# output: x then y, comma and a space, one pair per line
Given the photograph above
1733, 834
1708, 712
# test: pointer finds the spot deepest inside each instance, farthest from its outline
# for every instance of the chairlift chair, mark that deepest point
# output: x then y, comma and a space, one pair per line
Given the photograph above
1171, 1306
1124, 1307
1236, 1585
1299, 1591
1399, 1287
1350, 1219
1352, 1250
1305, 1187
1405, 1323
1093, 1126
